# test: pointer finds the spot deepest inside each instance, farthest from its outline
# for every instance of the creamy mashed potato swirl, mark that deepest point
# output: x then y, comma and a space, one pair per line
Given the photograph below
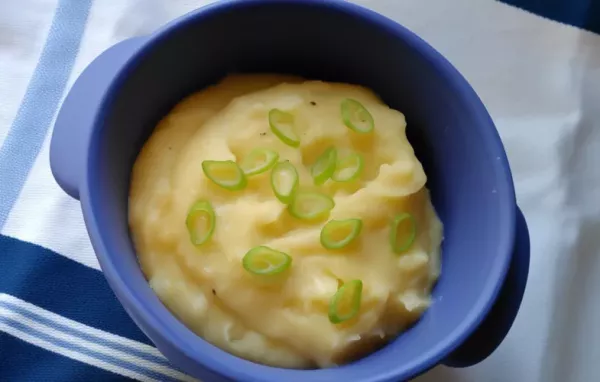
283, 323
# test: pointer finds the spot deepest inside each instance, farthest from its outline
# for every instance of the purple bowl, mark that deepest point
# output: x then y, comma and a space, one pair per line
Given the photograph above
119, 98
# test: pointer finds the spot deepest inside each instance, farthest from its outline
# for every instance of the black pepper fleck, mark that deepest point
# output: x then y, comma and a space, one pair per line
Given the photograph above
313, 103
263, 134
214, 292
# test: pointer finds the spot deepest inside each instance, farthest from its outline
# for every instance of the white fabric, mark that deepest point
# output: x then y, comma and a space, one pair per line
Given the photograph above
22, 36
81, 342
541, 83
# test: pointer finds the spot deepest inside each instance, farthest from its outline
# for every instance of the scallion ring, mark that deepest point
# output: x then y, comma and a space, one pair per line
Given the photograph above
337, 234
324, 166
345, 303
259, 161
284, 181
200, 222
356, 117
226, 174
348, 168
307, 205
265, 261
403, 231
283, 126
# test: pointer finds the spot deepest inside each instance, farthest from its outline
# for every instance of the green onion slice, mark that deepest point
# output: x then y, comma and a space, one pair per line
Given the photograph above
284, 181
311, 205
337, 234
283, 126
259, 161
226, 174
200, 222
403, 231
348, 168
345, 303
356, 116
265, 261
324, 166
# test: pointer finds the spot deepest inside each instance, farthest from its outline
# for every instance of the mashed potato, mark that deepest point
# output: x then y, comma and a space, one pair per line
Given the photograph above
282, 323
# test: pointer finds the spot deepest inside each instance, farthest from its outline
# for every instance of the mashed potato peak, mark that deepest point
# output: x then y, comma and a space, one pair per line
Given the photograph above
283, 322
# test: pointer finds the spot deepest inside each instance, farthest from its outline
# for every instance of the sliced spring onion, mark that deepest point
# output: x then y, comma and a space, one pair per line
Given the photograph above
259, 161
403, 231
283, 126
337, 234
200, 222
226, 174
348, 168
265, 261
345, 303
310, 205
356, 117
324, 166
284, 181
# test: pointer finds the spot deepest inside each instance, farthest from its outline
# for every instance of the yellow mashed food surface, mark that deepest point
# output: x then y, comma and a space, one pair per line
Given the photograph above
283, 323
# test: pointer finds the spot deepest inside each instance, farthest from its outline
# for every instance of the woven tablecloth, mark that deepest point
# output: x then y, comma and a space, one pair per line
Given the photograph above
535, 64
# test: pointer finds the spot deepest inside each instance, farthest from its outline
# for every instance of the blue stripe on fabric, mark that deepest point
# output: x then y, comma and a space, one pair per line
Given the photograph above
62, 286
83, 350
44, 92
83, 335
583, 14
22, 361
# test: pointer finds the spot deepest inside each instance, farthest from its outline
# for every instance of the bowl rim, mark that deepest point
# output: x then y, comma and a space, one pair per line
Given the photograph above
218, 361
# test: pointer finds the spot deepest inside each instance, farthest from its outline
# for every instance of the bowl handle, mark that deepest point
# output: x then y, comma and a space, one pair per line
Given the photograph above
490, 333
75, 119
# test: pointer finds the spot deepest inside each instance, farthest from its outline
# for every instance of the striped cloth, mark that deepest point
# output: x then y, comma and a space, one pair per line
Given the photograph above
536, 65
